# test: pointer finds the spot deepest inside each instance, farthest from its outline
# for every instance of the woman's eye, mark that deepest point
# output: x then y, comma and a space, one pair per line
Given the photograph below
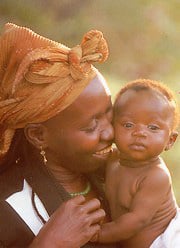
128, 125
91, 128
153, 127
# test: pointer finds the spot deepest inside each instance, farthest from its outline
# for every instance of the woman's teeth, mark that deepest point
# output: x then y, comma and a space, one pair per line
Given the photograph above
104, 151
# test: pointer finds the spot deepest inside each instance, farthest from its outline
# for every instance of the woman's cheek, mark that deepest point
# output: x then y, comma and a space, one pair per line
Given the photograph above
87, 141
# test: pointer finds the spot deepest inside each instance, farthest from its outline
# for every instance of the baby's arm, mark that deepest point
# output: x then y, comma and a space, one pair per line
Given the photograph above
150, 194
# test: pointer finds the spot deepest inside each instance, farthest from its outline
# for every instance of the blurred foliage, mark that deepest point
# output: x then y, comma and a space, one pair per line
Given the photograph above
143, 38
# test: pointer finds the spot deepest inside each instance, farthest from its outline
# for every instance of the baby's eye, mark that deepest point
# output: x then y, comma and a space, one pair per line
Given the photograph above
153, 127
128, 124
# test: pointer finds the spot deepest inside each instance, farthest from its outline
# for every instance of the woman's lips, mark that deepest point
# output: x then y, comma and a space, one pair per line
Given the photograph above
104, 151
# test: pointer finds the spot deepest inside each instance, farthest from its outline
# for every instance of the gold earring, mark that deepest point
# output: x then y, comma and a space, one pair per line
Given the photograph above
43, 154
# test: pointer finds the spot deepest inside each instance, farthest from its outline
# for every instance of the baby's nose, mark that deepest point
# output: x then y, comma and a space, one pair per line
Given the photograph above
139, 132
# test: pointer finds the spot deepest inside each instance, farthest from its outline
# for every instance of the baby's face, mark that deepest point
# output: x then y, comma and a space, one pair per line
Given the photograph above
143, 125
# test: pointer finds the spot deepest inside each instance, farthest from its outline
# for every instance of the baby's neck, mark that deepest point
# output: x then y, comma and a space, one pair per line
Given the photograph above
138, 163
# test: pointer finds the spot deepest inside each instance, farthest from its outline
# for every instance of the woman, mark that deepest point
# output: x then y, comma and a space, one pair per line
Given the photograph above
55, 125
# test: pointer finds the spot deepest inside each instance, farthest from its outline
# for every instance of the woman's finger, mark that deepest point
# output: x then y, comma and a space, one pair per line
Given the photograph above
91, 205
97, 216
78, 200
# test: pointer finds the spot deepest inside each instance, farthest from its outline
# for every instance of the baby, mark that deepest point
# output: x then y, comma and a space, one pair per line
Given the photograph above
138, 183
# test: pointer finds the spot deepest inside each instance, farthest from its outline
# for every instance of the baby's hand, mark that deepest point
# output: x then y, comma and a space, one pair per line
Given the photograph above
95, 237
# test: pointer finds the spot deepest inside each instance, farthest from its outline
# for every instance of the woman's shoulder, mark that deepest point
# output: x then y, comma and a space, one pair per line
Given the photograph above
12, 228
11, 181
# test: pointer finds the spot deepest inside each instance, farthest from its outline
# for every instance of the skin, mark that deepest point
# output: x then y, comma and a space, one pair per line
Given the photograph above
80, 225
138, 184
76, 141
80, 132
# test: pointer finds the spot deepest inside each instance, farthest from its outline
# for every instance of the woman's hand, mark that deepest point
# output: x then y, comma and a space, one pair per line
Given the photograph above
73, 224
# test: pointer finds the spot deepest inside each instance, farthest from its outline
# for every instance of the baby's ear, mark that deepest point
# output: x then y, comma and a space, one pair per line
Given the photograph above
171, 141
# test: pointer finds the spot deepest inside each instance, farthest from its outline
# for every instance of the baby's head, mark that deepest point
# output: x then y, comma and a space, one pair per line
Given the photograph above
155, 88
145, 119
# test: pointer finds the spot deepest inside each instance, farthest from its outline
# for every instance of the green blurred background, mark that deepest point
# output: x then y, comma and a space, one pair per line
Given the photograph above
143, 38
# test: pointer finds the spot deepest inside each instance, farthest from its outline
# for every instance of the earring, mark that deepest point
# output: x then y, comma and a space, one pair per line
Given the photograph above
43, 154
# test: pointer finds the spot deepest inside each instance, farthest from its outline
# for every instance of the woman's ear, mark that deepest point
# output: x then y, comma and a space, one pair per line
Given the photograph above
36, 134
171, 141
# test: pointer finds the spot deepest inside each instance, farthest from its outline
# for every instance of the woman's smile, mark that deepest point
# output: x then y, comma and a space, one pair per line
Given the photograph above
104, 151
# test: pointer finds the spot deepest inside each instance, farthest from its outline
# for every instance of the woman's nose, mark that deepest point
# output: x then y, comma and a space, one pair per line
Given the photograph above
107, 132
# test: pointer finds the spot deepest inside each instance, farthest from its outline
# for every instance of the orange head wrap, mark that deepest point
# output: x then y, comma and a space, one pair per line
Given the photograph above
40, 77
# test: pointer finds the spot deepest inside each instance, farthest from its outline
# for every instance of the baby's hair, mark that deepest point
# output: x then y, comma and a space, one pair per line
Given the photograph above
147, 84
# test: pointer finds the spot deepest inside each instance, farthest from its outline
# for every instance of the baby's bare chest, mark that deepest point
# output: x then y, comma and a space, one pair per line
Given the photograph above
121, 190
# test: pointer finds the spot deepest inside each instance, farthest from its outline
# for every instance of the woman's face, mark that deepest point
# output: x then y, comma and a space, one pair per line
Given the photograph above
80, 137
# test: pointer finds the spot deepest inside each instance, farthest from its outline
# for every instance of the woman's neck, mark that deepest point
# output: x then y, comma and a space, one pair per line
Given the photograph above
71, 181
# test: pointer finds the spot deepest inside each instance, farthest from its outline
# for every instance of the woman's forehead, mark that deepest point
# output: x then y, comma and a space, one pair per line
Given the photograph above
93, 101
97, 85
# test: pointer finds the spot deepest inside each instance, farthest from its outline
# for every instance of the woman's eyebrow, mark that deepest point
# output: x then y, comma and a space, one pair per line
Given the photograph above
98, 115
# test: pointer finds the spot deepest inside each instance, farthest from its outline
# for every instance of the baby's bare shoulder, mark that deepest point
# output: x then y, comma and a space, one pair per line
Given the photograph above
113, 161
159, 175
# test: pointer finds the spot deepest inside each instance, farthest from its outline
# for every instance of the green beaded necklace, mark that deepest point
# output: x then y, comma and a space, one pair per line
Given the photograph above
84, 193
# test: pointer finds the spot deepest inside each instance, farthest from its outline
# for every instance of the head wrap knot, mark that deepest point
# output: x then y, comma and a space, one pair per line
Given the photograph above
93, 48
40, 77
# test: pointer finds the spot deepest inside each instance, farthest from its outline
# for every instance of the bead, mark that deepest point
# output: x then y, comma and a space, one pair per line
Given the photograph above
84, 193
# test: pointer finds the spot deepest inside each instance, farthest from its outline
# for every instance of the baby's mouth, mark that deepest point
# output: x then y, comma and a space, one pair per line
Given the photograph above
137, 146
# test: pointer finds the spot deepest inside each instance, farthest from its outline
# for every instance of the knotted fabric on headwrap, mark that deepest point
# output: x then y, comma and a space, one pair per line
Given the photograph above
40, 77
